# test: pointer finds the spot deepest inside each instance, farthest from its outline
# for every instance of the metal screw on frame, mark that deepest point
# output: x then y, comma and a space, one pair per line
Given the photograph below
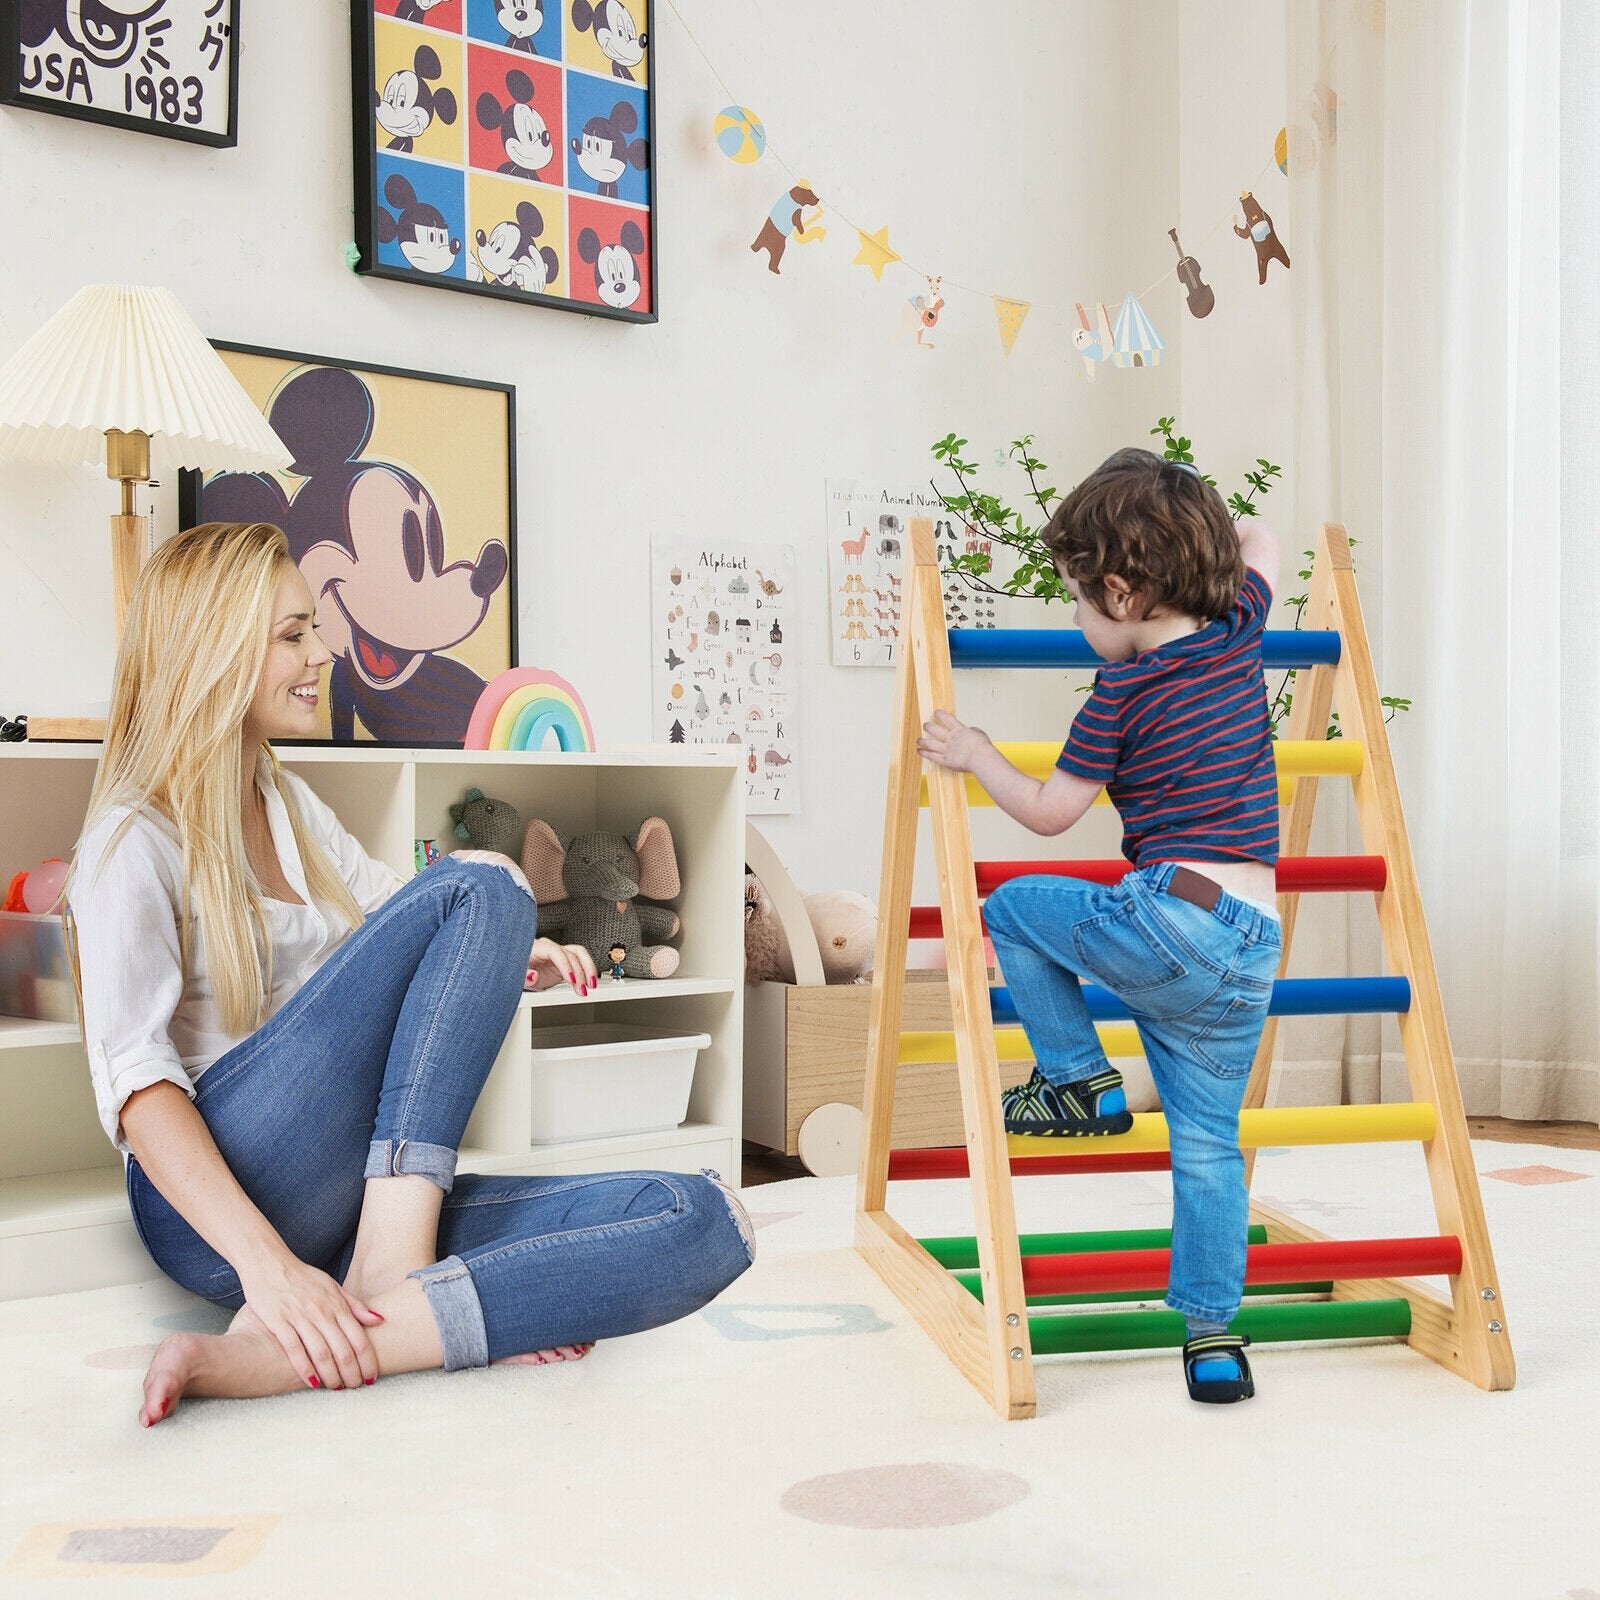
1016, 1355
1488, 1294
1497, 1327
1013, 1320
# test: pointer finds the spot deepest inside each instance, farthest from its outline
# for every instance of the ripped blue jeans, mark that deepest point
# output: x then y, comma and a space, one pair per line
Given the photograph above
371, 1069
1197, 984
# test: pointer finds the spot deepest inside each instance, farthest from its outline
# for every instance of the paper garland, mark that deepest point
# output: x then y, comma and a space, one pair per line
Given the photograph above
1134, 343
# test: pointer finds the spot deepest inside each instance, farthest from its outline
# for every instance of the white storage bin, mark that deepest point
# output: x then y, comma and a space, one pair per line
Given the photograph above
603, 1078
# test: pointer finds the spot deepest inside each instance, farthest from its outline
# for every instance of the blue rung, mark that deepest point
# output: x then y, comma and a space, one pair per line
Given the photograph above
1291, 997
1066, 647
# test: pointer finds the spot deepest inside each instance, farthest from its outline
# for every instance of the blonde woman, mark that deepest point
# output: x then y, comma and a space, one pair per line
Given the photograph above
286, 1041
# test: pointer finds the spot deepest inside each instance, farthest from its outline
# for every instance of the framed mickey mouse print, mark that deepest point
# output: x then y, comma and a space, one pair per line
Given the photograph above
506, 148
154, 66
400, 508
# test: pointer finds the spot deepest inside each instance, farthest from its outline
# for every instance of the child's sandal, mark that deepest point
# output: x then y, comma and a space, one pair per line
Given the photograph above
1218, 1391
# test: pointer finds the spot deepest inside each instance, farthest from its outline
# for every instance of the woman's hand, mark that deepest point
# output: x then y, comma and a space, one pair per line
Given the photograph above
322, 1328
550, 963
947, 742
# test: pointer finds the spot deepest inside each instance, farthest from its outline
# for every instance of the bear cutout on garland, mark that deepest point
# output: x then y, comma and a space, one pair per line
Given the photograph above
1259, 231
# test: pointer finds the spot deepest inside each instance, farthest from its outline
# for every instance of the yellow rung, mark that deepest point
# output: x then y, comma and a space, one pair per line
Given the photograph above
1011, 1044
1296, 758
1275, 1125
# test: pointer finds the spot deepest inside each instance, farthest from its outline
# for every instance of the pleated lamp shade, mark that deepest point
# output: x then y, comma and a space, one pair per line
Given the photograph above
129, 358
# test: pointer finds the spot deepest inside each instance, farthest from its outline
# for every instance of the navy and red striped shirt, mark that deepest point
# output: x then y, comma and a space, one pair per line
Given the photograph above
1180, 738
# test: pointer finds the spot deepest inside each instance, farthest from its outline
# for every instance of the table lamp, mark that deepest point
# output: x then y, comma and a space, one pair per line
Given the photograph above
123, 375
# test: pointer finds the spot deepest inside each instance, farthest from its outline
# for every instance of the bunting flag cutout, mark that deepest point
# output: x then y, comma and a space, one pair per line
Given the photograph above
1010, 315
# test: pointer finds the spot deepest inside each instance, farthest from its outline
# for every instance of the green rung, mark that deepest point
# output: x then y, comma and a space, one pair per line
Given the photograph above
973, 1284
962, 1250
1157, 1330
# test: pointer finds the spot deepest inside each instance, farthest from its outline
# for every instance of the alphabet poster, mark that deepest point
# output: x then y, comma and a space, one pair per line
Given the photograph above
723, 630
867, 534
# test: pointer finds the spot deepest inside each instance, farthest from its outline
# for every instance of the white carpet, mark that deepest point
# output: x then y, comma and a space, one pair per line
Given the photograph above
802, 1438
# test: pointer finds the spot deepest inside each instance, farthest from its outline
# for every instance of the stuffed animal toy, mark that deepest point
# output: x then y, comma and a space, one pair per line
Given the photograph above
586, 888
846, 926
766, 946
487, 824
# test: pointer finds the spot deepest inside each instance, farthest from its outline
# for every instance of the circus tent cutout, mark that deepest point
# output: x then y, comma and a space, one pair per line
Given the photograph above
1134, 341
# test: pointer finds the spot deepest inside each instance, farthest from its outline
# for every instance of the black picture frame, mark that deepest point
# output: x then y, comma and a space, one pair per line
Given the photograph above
150, 75
433, 207
434, 461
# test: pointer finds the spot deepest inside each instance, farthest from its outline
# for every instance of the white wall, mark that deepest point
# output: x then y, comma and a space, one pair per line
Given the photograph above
1038, 159
1234, 364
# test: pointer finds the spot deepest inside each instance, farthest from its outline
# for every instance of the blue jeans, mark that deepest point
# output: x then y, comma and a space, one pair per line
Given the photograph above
371, 1069
1197, 984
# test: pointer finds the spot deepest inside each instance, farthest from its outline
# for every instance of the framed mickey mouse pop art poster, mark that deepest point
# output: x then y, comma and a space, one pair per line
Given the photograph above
506, 148
155, 66
400, 508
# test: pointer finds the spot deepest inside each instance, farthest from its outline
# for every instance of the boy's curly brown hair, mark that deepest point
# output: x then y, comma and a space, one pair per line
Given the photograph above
1157, 525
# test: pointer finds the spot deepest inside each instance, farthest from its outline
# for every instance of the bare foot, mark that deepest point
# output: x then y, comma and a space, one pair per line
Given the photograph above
543, 1358
246, 1362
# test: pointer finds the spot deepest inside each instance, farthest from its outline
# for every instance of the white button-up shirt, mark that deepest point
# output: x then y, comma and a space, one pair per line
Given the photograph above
142, 1022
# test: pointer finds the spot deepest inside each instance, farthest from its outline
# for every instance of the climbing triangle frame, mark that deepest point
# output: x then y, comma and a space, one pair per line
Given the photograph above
984, 1326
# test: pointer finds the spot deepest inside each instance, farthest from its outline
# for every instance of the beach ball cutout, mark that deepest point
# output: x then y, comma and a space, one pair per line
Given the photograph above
1295, 150
739, 134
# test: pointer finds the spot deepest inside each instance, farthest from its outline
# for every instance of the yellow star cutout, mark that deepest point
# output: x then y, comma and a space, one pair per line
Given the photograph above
875, 252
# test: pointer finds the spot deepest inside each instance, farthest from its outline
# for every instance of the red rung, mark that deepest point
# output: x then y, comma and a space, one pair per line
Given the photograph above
952, 1163
1295, 875
1108, 1271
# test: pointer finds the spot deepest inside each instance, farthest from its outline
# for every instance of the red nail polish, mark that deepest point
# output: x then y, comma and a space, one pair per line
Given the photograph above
316, 1382
370, 1382
164, 1405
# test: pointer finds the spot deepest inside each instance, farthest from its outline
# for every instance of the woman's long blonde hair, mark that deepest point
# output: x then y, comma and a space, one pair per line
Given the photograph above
198, 625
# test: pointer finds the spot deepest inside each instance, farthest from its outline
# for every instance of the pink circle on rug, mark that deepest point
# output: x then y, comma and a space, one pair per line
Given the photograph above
920, 1494
122, 1358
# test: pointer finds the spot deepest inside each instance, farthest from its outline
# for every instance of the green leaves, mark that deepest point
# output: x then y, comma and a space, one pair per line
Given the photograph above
1034, 575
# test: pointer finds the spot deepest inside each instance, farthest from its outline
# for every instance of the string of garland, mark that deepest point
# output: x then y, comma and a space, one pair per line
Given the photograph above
1129, 340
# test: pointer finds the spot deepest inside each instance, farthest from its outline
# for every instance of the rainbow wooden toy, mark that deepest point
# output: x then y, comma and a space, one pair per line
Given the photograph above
977, 1297
522, 707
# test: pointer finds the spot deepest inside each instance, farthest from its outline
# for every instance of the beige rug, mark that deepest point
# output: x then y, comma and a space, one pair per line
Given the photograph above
802, 1438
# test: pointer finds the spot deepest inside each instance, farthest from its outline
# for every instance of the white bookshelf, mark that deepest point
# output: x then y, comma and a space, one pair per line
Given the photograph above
64, 1221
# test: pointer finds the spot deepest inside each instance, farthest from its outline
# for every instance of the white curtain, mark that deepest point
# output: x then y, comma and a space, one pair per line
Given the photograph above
1435, 378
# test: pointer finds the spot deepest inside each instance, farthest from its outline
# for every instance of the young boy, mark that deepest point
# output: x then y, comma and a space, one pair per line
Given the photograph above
1174, 598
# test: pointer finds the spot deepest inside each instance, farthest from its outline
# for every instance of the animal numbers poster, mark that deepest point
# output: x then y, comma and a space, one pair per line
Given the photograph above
723, 629
868, 525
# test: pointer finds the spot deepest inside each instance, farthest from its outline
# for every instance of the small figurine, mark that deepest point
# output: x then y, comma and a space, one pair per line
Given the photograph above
618, 954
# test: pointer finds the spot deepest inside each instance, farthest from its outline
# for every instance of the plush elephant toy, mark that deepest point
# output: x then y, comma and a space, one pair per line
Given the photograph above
587, 888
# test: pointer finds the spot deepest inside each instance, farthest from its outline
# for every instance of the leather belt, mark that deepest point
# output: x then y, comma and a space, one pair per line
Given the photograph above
1195, 888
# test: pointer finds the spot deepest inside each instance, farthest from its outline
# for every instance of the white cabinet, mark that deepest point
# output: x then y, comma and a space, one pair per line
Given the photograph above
64, 1221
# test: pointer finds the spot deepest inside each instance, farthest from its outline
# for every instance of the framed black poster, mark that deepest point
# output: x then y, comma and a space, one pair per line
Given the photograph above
506, 148
400, 507
155, 66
